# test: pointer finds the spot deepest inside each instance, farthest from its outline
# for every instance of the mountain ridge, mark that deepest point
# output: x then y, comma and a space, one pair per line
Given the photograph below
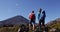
16, 20
54, 24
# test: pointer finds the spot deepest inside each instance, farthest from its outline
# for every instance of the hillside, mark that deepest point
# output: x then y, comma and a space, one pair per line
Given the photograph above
54, 24
17, 20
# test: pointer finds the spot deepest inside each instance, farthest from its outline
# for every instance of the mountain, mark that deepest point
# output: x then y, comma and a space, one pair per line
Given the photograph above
17, 20
54, 24
54, 21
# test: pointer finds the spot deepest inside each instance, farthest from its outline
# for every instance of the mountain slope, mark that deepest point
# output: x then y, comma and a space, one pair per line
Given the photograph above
54, 23
17, 20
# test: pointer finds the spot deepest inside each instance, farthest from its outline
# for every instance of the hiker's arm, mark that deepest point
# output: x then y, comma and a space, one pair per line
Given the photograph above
29, 16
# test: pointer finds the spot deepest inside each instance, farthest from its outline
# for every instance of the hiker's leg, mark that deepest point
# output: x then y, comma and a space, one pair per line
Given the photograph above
30, 24
33, 24
40, 25
43, 22
43, 25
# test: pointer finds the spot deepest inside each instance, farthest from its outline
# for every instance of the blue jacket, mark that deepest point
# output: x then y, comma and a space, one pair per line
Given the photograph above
39, 16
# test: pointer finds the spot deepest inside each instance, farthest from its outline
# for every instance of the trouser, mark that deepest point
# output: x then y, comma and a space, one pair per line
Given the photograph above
32, 21
41, 23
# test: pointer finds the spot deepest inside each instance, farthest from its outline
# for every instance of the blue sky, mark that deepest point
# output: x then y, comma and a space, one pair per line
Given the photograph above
11, 8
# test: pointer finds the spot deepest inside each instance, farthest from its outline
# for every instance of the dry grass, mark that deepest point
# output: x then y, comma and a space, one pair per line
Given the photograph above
9, 29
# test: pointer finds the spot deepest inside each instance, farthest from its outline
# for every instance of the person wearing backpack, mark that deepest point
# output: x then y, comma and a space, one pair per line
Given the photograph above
32, 18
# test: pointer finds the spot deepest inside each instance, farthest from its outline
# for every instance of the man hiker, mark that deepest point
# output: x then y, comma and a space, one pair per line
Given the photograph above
43, 18
32, 18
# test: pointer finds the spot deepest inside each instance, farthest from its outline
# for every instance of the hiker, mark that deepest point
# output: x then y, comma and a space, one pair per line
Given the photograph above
42, 22
43, 18
39, 17
32, 18
22, 28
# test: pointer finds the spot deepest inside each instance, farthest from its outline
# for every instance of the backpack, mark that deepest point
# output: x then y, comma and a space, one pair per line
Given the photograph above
32, 16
